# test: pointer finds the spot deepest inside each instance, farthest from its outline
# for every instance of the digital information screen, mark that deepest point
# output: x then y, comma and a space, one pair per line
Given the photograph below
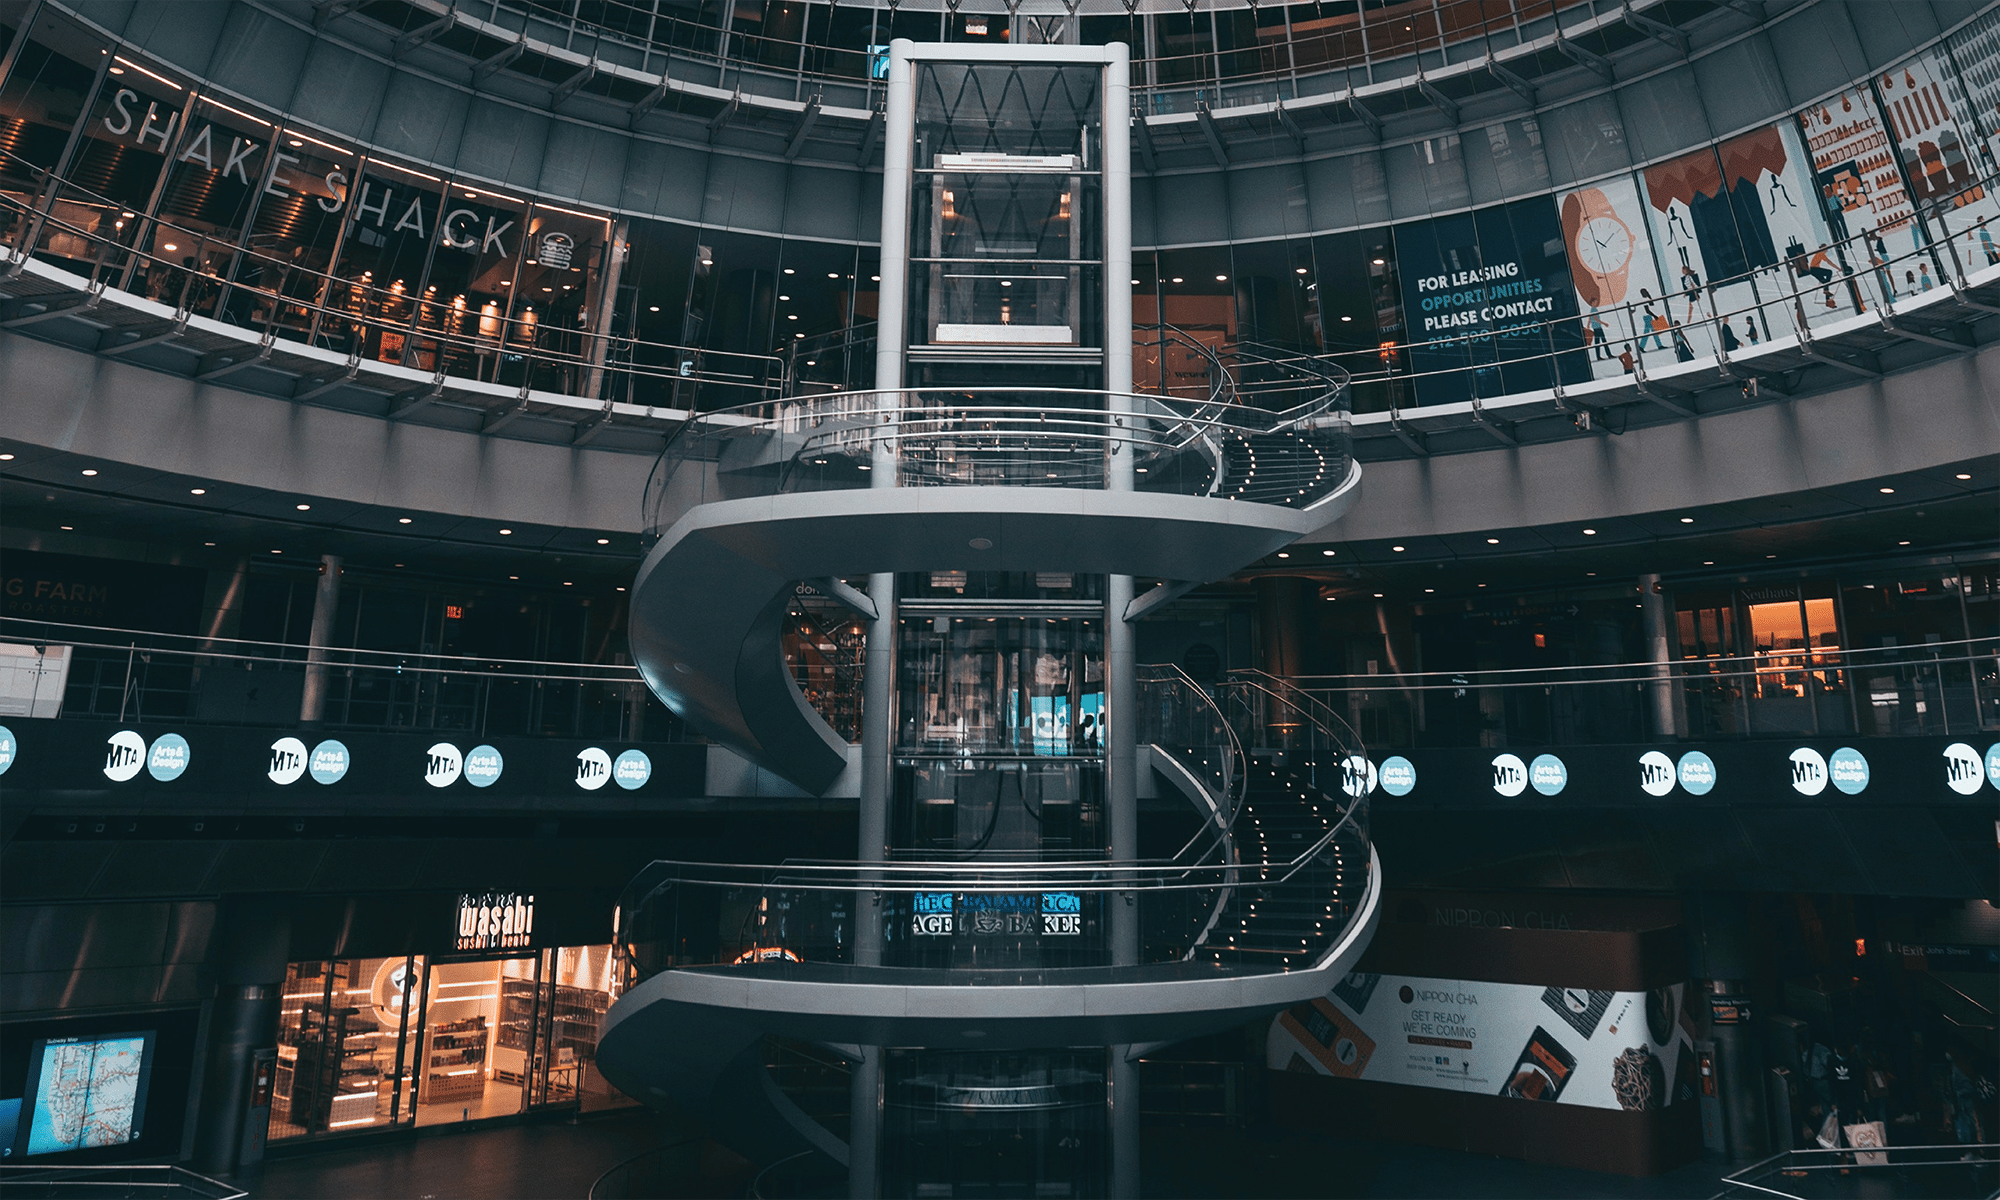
85, 1092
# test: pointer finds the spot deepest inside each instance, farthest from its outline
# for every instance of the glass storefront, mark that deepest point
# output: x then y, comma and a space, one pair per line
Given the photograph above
372, 1044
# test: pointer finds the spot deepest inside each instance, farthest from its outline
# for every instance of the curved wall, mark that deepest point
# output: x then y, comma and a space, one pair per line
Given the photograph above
1945, 413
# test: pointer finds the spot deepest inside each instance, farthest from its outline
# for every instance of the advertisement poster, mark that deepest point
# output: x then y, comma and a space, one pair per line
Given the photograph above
1622, 1050
1974, 88
1855, 172
1612, 270
1489, 290
1737, 227
1942, 154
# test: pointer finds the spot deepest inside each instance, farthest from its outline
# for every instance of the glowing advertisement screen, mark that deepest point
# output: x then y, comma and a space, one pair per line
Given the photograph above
86, 1092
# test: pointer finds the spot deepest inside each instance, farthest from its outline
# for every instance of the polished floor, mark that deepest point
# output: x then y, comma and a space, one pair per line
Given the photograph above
559, 1161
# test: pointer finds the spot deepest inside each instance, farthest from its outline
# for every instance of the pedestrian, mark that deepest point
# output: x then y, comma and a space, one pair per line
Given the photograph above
1682, 351
1729, 339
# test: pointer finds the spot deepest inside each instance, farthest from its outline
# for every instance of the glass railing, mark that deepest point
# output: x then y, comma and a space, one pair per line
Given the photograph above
137, 676
1890, 1172
113, 1182
1895, 691
1854, 283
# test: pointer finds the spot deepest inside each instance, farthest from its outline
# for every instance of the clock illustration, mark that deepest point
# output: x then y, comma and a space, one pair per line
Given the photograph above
1600, 247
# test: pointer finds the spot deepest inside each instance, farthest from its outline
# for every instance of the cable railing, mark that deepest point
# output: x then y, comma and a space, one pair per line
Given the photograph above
140, 676
1269, 880
1006, 437
1686, 334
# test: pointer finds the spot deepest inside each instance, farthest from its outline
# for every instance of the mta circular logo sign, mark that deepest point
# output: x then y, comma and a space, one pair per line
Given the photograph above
1656, 773
1548, 775
8, 748
124, 755
1963, 768
288, 761
1848, 770
1399, 775
632, 770
1357, 776
1510, 775
329, 762
483, 765
1808, 771
1697, 772
443, 764
593, 769
169, 757
1992, 761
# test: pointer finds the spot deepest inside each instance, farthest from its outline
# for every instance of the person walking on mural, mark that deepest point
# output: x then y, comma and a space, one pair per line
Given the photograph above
1778, 189
1730, 341
1691, 288
1593, 332
1650, 323
1683, 352
1986, 245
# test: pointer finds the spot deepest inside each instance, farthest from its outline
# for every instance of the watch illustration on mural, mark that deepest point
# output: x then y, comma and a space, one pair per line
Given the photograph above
1600, 247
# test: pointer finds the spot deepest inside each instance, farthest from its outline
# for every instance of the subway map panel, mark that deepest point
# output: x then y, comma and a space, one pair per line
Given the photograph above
90, 1093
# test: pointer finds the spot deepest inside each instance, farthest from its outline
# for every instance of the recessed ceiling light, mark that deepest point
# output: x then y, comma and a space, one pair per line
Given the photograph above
1376, 261
277, 551
505, 532
1707, 562
402, 520
1960, 475
1482, 585
1492, 541
1298, 270
1222, 279
604, 541
1397, 549
1345, 318
1770, 556
1430, 590
304, 507
208, 543
654, 308
1284, 554
1328, 553
197, 491
1687, 520
1887, 491
621, 589
10, 458
1178, 279
1902, 543
1378, 595
1590, 533
69, 527
1590, 574
788, 270
567, 583
90, 470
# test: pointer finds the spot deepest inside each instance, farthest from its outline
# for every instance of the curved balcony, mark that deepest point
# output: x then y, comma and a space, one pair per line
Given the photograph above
1269, 899
748, 500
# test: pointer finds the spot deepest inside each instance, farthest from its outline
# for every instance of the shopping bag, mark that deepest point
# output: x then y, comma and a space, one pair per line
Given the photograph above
1869, 1140
1829, 1133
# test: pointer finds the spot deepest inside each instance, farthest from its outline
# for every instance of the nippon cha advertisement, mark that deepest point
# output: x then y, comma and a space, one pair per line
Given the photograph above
1623, 1050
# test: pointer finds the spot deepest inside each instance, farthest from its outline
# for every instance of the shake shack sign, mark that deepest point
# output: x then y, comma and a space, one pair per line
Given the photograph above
495, 921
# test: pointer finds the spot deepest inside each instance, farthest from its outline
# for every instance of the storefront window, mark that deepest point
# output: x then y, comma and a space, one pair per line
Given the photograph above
39, 107
394, 214
344, 1061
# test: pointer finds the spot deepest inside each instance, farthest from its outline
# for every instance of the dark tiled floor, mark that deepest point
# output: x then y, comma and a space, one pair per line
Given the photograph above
559, 1162
553, 1161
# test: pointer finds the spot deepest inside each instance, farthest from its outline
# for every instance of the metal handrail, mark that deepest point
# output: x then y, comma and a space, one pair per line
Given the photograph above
1847, 1161
84, 1181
